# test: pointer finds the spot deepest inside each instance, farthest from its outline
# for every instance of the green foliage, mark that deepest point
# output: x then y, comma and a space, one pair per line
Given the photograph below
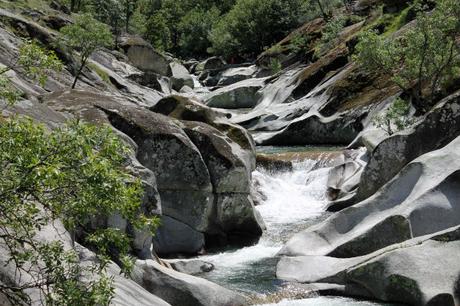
252, 25
35, 62
101, 73
275, 65
195, 27
110, 12
322, 8
396, 117
158, 33
74, 174
331, 33
299, 44
85, 36
422, 57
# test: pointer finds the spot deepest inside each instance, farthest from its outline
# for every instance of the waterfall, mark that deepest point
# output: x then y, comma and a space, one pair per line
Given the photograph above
293, 199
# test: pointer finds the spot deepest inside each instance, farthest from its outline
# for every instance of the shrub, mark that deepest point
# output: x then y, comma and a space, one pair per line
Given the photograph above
395, 118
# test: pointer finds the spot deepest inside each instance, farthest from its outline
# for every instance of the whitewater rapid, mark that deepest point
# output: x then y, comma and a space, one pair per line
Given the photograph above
293, 200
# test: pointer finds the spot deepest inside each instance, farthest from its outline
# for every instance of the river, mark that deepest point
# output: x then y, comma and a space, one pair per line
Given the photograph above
294, 200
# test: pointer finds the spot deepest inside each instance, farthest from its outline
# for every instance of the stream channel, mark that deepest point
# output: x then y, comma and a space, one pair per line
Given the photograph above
294, 200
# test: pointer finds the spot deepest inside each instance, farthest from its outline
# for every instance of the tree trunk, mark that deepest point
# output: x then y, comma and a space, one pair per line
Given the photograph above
323, 12
83, 63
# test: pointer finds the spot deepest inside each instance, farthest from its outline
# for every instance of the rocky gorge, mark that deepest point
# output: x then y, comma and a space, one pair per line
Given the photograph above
367, 215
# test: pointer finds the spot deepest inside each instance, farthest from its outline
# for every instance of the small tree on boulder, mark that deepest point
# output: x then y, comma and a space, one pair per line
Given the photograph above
85, 36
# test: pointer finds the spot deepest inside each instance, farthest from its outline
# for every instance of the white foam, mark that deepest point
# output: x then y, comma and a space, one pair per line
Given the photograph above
292, 196
323, 301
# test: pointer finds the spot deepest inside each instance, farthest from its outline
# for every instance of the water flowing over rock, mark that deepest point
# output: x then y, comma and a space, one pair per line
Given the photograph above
359, 246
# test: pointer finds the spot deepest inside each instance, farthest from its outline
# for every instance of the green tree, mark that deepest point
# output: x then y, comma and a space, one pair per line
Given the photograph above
85, 36
395, 118
195, 27
421, 58
158, 32
74, 174
110, 12
34, 62
253, 25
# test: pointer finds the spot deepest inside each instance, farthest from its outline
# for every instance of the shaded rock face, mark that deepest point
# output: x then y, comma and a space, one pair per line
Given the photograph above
182, 289
143, 56
202, 175
211, 63
173, 237
436, 129
188, 109
397, 245
193, 163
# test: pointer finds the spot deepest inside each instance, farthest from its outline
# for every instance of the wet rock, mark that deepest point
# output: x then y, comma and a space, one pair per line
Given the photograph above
181, 289
192, 267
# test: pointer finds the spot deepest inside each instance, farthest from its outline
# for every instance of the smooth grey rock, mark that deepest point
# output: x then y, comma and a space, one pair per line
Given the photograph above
419, 275
313, 128
180, 289
174, 237
143, 56
243, 94
211, 64
422, 199
235, 75
192, 267
419, 271
344, 178
440, 126
180, 76
127, 292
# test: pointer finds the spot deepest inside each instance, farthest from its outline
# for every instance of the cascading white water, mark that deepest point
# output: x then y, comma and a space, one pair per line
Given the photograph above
293, 201
292, 198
